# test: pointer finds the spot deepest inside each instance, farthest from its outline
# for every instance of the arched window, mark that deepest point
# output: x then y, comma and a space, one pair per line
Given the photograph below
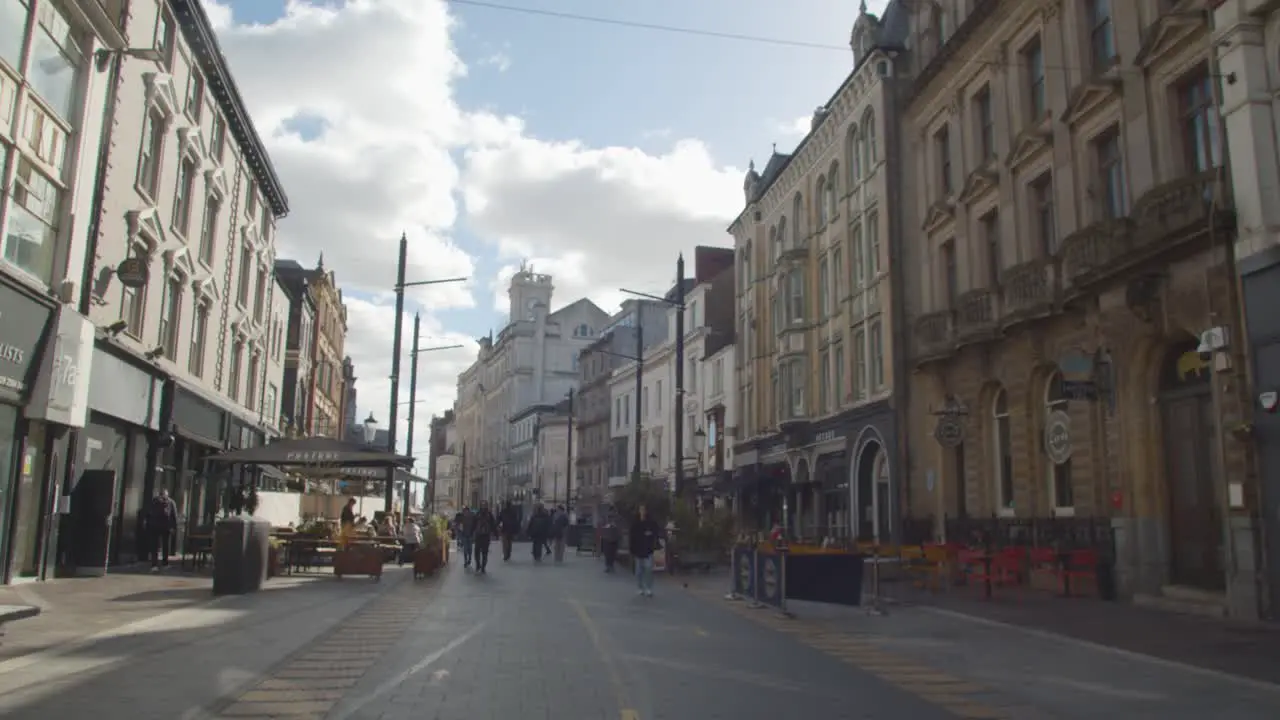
797, 214
833, 183
746, 267
871, 154
859, 256
1002, 452
1059, 474
795, 296
823, 217
855, 166
773, 244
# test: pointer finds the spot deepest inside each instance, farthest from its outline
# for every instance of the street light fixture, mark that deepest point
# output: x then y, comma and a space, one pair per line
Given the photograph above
413, 403
397, 349
370, 429
678, 304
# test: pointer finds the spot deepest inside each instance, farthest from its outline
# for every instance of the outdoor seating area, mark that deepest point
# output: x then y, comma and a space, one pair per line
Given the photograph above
1064, 557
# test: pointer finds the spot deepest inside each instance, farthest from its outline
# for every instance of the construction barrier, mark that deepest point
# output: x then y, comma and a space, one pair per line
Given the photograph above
768, 575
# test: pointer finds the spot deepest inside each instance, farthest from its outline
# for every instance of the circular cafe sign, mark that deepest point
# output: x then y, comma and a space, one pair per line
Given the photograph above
1057, 437
949, 431
133, 272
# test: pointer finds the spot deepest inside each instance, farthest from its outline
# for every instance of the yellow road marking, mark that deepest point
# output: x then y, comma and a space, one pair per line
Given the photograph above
630, 715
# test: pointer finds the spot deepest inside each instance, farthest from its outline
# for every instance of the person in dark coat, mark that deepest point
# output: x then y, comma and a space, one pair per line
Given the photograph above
539, 530
610, 538
509, 522
486, 525
162, 521
645, 537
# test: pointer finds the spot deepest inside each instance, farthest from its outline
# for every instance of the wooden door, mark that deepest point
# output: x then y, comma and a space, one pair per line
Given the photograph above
1195, 527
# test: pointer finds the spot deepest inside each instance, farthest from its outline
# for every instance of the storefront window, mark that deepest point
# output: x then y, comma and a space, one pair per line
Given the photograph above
26, 520
8, 430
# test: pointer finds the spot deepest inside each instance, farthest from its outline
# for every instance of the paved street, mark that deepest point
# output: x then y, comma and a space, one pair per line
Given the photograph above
568, 642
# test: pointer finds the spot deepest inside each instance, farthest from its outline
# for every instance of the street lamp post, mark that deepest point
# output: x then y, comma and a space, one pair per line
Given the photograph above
413, 404
678, 427
397, 342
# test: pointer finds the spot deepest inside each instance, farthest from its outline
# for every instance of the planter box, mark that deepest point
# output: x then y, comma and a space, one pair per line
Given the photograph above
426, 561
358, 561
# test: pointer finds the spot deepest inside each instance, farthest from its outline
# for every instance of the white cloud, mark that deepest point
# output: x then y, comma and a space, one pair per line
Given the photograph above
596, 219
795, 129
379, 76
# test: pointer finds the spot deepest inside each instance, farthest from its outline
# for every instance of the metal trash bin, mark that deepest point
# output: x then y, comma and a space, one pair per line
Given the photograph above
240, 548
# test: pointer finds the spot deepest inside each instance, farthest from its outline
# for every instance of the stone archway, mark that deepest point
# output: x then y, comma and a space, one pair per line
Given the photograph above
871, 488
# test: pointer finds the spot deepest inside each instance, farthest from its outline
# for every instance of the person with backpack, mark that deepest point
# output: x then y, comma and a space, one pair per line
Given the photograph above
559, 528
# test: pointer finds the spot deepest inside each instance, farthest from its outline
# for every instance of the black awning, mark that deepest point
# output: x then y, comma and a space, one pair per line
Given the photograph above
314, 451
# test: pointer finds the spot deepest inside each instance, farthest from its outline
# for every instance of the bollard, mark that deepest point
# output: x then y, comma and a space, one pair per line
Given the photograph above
782, 583
755, 581
733, 595
876, 607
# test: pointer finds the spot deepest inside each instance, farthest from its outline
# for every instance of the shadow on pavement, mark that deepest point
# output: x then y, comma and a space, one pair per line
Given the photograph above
180, 663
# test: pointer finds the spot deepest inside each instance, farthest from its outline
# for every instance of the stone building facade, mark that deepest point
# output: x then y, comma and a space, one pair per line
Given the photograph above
816, 337
1071, 219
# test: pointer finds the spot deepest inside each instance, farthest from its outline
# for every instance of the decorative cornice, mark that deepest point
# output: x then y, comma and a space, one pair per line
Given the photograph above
198, 31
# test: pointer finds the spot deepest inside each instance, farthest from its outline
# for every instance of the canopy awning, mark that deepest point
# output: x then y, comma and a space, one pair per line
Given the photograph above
313, 452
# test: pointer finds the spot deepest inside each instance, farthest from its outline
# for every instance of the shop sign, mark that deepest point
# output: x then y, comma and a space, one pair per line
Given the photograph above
949, 432
312, 456
1057, 437
22, 327
133, 272
61, 393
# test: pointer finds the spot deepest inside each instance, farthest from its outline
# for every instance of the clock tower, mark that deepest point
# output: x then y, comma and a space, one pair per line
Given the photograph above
529, 291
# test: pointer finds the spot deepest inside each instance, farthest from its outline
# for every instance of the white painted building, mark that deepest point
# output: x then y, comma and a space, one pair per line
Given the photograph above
52, 101
182, 282
532, 361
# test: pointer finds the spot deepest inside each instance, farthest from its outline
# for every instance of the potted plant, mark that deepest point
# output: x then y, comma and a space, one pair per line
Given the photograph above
273, 556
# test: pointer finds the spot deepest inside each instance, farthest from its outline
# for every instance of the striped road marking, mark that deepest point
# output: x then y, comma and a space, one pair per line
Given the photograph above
313, 680
960, 697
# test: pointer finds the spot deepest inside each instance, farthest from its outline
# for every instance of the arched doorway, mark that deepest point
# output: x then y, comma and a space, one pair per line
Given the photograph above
1190, 445
872, 498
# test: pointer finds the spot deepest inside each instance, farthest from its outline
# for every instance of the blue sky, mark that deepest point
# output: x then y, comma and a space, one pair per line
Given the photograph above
597, 152
606, 85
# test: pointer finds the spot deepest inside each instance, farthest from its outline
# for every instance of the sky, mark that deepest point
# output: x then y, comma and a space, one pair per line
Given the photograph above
491, 133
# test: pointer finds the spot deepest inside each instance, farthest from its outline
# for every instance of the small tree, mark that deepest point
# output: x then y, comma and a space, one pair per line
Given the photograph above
642, 490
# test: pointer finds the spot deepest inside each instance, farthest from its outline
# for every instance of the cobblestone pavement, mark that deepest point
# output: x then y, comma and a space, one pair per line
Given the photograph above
191, 662
979, 668
567, 641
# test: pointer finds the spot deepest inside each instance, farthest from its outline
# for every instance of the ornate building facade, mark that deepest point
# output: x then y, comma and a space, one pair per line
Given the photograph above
1070, 218
816, 360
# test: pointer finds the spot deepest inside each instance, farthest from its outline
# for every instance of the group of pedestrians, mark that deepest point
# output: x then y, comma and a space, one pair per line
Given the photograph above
547, 531
474, 531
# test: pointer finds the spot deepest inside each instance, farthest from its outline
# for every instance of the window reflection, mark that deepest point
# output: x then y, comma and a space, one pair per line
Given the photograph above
32, 229
55, 62
13, 26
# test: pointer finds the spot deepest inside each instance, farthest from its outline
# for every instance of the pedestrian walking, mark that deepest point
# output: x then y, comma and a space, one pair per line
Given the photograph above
466, 530
410, 540
485, 526
162, 520
645, 540
509, 526
539, 529
610, 537
559, 529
